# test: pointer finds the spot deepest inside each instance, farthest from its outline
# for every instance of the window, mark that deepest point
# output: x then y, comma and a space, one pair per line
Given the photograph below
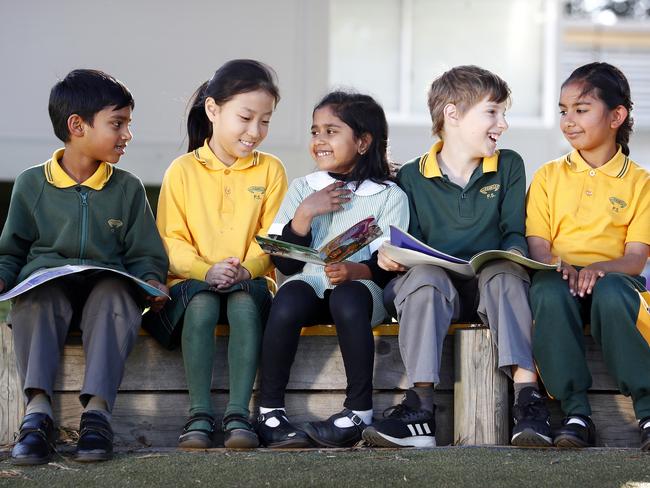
394, 48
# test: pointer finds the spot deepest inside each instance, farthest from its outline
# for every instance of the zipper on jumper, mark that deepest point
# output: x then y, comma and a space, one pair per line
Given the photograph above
83, 195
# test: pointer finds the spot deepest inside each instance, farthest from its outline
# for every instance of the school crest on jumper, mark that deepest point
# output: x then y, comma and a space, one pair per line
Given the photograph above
257, 191
490, 191
617, 204
114, 224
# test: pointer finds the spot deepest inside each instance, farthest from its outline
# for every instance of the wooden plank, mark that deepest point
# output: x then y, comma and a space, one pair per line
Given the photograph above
480, 392
156, 419
11, 396
318, 366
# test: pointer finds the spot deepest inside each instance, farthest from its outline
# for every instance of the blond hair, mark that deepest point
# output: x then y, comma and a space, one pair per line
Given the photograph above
464, 86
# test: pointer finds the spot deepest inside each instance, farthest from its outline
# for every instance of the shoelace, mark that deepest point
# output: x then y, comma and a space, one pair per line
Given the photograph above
399, 411
535, 409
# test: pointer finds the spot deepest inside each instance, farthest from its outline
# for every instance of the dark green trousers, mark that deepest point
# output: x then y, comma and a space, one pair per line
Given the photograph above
558, 339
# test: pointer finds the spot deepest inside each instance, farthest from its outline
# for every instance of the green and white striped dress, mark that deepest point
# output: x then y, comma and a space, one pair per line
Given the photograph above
387, 203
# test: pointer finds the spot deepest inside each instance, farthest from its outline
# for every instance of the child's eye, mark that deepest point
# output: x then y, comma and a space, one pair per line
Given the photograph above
562, 113
331, 131
266, 122
243, 117
581, 110
117, 124
314, 133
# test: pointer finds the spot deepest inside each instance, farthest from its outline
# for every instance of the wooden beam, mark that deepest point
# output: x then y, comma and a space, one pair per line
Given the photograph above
11, 395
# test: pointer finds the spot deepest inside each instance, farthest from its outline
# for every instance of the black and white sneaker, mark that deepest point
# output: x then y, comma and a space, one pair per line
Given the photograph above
282, 433
404, 425
532, 421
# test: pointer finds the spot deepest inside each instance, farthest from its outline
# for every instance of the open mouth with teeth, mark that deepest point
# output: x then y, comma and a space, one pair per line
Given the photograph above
493, 137
121, 148
248, 144
323, 154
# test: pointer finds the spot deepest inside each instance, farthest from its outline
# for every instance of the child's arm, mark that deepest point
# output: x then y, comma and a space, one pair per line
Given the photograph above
513, 207
256, 261
19, 231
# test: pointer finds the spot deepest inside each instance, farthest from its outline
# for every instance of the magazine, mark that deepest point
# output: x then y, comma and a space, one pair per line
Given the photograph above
405, 249
46, 274
338, 249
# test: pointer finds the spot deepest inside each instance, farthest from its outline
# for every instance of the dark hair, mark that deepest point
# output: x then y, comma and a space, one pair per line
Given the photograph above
234, 77
85, 92
607, 83
464, 86
363, 115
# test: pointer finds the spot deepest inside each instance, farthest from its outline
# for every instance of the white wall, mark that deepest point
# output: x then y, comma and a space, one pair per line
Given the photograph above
163, 50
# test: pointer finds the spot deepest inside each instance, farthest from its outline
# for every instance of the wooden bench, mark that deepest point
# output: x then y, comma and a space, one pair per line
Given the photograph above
473, 398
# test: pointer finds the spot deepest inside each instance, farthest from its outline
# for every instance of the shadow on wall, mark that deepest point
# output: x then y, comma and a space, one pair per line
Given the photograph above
5, 195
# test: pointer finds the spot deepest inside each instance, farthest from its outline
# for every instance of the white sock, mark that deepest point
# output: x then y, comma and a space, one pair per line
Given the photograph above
577, 420
98, 404
272, 422
40, 403
365, 415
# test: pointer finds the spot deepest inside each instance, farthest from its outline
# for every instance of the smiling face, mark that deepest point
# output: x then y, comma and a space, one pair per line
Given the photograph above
240, 124
481, 127
334, 146
585, 120
106, 139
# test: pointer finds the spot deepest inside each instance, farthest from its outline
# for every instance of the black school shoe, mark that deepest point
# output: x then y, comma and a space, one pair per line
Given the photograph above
239, 437
95, 438
404, 425
283, 435
35, 440
575, 435
532, 421
193, 438
645, 433
325, 433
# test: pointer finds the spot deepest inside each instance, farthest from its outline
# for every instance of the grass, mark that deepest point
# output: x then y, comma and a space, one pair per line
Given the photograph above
449, 466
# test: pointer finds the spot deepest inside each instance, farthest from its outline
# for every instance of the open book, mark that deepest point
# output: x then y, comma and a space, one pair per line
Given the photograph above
338, 249
408, 251
46, 274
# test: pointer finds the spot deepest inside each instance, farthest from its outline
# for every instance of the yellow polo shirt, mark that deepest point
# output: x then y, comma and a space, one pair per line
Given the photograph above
589, 214
208, 211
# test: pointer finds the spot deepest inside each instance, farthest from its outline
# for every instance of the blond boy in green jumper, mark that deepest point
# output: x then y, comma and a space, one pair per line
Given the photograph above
465, 197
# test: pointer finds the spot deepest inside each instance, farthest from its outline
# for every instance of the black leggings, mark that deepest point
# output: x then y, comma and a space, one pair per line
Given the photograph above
349, 306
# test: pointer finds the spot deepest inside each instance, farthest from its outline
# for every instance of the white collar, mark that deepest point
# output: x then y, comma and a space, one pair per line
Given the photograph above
320, 179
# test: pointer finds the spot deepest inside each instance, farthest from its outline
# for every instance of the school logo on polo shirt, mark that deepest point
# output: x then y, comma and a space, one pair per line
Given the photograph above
617, 204
114, 224
257, 191
490, 191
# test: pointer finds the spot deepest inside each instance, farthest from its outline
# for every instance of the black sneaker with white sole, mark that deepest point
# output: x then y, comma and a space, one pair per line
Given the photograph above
281, 433
532, 421
575, 435
404, 425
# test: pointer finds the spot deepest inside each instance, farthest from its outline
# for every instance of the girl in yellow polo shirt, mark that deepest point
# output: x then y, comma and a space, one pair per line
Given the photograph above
591, 209
213, 202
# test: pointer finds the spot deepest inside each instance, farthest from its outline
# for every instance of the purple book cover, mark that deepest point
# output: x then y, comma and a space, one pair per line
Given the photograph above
401, 239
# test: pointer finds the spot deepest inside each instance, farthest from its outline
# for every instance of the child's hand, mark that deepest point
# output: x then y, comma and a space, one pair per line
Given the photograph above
387, 263
226, 273
338, 273
329, 199
155, 303
587, 278
570, 274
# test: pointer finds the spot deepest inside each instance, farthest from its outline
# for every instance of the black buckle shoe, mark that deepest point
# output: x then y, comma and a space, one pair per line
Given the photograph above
326, 433
193, 438
575, 435
35, 440
532, 421
282, 435
239, 437
404, 425
95, 438
645, 433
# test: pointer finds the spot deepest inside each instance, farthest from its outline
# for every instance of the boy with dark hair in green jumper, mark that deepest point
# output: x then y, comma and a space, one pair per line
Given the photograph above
76, 208
464, 197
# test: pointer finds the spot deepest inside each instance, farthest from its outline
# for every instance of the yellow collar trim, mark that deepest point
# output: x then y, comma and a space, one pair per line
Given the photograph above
615, 167
57, 177
207, 158
429, 163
